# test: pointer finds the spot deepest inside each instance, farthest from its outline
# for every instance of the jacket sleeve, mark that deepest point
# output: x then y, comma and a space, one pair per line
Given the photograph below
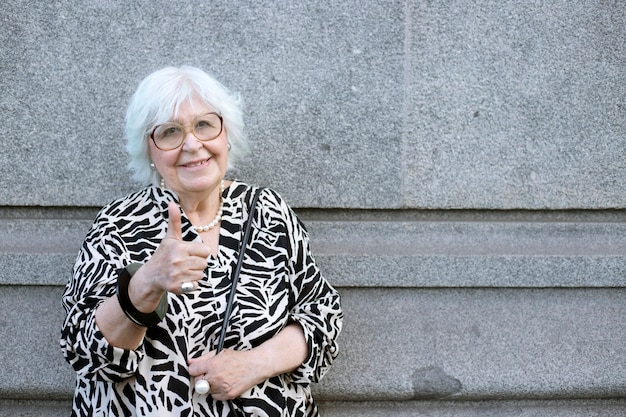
315, 305
93, 280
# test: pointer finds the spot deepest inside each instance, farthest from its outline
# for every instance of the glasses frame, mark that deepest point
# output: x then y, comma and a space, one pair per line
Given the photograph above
187, 129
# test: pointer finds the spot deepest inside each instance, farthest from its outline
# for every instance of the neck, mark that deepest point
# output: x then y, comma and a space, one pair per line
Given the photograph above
204, 211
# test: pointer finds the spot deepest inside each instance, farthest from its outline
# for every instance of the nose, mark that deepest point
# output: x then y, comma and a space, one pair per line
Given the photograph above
190, 142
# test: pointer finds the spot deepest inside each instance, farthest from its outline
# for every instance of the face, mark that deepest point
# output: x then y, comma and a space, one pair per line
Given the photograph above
195, 168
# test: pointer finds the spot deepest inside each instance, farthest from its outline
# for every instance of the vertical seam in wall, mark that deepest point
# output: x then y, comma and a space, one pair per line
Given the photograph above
405, 104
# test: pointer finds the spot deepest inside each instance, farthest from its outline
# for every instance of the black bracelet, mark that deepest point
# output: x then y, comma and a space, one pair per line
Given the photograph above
141, 319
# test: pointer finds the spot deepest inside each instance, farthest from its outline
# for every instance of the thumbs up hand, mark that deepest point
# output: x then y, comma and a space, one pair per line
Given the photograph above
176, 261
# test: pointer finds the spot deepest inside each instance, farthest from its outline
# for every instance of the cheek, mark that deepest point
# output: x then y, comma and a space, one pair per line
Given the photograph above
162, 160
220, 151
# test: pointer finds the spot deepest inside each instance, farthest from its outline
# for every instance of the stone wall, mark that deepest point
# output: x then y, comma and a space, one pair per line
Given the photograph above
460, 166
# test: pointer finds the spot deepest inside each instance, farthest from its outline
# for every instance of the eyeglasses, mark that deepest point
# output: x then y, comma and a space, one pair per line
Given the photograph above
171, 135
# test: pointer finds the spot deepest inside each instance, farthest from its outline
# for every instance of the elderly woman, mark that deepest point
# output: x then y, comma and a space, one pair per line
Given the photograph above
151, 284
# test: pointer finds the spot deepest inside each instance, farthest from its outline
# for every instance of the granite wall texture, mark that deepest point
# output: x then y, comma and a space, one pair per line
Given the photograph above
460, 165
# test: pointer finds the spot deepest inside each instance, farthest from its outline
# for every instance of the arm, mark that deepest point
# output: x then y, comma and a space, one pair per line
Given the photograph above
283, 353
118, 330
98, 339
91, 285
316, 306
233, 372
174, 262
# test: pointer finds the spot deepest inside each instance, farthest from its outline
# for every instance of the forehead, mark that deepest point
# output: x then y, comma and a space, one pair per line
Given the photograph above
190, 109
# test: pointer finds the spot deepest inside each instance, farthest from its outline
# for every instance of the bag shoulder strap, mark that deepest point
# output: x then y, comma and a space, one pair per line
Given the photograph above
242, 250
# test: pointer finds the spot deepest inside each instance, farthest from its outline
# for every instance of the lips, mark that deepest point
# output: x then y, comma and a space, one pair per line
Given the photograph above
195, 164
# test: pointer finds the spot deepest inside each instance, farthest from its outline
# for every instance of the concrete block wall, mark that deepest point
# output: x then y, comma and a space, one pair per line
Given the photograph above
460, 166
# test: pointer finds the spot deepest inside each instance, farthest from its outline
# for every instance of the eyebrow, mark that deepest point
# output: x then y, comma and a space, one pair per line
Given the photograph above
194, 118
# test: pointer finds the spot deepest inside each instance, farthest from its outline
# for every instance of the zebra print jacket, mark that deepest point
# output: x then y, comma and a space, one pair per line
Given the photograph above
279, 284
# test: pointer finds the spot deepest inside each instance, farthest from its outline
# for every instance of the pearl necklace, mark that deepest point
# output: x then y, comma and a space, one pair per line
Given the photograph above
216, 220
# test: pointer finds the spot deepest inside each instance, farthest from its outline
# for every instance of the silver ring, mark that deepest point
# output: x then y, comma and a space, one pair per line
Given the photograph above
186, 287
202, 386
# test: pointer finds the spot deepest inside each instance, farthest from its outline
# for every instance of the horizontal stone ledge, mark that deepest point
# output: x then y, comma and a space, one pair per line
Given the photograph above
398, 345
384, 238
475, 271
468, 238
35, 408
334, 214
384, 254
471, 344
390, 271
523, 408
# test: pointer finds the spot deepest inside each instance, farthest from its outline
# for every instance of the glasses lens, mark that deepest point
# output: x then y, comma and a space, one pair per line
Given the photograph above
168, 136
208, 127
171, 135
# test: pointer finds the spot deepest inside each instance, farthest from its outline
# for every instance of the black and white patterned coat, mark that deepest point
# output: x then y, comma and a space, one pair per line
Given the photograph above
280, 283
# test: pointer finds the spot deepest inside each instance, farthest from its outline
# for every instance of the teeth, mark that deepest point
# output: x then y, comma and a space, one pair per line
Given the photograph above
196, 164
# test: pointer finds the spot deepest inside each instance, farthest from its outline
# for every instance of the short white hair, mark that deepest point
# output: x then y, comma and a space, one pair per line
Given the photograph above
158, 100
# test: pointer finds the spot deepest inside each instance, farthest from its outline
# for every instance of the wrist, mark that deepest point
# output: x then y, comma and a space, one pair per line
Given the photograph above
142, 292
130, 310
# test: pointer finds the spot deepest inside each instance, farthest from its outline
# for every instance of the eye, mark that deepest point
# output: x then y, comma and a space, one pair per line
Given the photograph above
207, 122
168, 131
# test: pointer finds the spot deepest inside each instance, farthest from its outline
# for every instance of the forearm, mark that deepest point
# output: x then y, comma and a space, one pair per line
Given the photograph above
116, 327
89, 351
284, 352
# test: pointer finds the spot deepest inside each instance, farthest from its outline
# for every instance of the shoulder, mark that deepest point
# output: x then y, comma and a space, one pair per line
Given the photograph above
274, 213
268, 197
140, 203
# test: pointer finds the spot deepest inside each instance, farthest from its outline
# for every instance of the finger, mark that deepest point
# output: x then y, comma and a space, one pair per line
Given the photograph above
174, 223
197, 249
198, 366
191, 264
178, 277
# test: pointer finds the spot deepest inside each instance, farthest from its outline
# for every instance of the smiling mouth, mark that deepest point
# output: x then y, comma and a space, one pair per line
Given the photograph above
196, 164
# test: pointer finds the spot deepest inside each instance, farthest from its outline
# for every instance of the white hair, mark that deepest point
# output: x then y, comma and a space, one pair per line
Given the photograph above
159, 98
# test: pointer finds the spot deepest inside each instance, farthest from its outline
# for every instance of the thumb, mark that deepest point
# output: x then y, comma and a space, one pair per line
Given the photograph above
174, 224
